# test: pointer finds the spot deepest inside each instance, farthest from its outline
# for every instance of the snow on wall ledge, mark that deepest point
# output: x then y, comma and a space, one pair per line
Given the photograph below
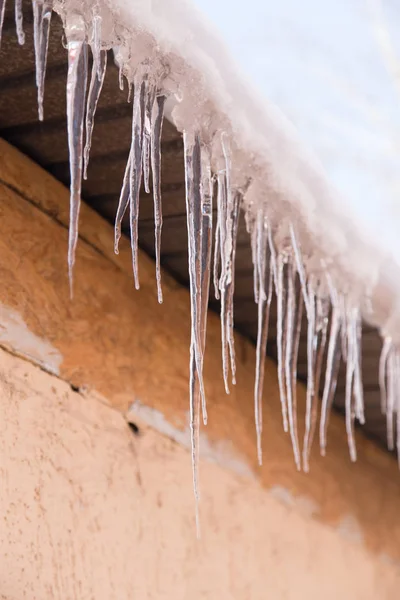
240, 153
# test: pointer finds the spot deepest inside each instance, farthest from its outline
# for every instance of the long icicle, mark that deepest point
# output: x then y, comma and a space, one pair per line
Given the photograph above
2, 12
222, 219
331, 373
234, 222
310, 371
76, 92
358, 387
387, 344
295, 354
288, 360
391, 394
96, 83
205, 273
194, 208
122, 204
19, 22
319, 343
349, 408
157, 124
264, 304
280, 341
37, 7
41, 26
216, 259
397, 363
147, 133
139, 102
193, 181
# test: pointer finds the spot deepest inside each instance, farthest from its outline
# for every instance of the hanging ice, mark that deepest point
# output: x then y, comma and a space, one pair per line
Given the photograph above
41, 31
96, 83
76, 94
156, 129
301, 281
135, 176
199, 210
2, 11
19, 22
263, 296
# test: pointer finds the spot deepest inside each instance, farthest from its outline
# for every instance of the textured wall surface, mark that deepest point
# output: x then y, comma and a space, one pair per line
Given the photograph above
90, 510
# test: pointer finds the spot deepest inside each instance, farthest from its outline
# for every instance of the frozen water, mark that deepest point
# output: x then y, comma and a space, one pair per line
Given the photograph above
254, 157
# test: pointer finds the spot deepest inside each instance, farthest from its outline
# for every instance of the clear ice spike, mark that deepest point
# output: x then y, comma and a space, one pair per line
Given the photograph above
122, 204
2, 12
19, 22
264, 307
280, 341
41, 27
349, 390
331, 372
139, 100
156, 130
290, 337
193, 182
311, 347
76, 92
387, 344
96, 84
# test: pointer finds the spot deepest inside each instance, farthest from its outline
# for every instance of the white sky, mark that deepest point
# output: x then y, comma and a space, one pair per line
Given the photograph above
325, 64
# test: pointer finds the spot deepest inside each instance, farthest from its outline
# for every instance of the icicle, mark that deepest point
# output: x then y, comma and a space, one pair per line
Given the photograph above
294, 361
2, 11
216, 259
156, 174
350, 413
311, 336
205, 265
288, 361
391, 394
321, 308
274, 261
300, 268
194, 205
199, 247
41, 30
123, 203
234, 222
279, 339
387, 345
139, 101
76, 92
264, 305
147, 132
222, 221
96, 84
358, 388
19, 22
254, 233
121, 79
228, 217
194, 418
96, 47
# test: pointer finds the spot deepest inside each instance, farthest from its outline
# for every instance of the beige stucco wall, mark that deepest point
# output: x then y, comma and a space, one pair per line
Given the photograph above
89, 510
